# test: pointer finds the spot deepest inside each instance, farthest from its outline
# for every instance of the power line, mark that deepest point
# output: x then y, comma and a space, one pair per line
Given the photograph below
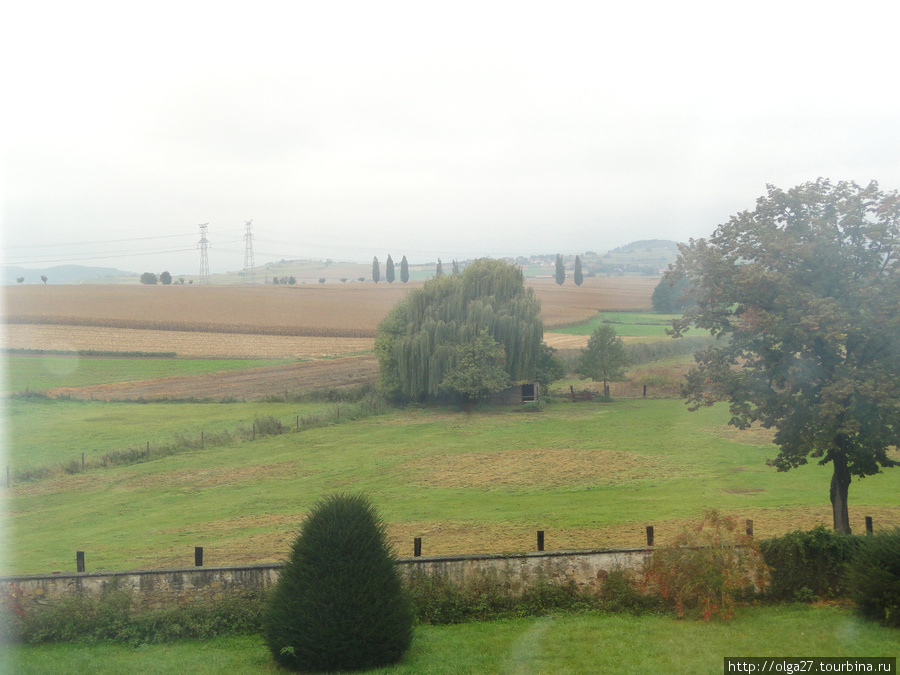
88, 257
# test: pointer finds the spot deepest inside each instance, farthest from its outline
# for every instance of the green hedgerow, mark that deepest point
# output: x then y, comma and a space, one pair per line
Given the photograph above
339, 603
808, 564
874, 578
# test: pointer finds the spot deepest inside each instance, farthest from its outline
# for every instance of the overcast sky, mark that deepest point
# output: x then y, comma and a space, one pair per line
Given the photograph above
347, 130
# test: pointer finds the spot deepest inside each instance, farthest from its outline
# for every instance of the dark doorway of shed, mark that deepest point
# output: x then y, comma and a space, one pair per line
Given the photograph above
528, 393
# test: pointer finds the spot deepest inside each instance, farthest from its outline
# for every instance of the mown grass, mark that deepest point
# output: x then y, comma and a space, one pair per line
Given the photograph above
41, 372
588, 474
564, 643
628, 324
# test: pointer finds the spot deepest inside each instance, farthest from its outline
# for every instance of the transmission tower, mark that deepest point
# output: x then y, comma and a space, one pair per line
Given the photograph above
248, 255
204, 260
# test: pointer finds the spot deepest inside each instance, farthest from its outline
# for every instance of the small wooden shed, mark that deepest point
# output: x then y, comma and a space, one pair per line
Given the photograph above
518, 393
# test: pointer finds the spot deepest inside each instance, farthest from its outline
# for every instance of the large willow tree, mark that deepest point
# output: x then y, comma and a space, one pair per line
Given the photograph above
417, 343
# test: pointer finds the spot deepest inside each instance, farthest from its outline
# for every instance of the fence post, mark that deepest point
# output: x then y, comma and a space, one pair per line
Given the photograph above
202, 440
298, 422
649, 535
148, 449
645, 391
198, 556
868, 524
79, 561
417, 547
540, 540
749, 528
82, 461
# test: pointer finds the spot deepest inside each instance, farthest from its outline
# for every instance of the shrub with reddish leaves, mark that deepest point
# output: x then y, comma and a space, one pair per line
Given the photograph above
706, 569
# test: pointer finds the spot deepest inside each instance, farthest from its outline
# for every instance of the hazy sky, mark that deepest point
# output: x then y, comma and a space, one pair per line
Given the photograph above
346, 130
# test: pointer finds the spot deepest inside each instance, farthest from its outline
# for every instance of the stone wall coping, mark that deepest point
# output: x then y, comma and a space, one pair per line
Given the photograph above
278, 565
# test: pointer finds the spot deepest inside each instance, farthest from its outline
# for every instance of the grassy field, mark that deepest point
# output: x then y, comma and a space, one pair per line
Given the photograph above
628, 324
589, 474
588, 643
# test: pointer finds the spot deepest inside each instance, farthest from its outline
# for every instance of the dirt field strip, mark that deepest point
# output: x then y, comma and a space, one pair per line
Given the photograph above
183, 343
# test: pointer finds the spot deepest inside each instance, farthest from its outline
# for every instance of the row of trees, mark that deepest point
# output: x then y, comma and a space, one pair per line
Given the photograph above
390, 274
163, 278
577, 274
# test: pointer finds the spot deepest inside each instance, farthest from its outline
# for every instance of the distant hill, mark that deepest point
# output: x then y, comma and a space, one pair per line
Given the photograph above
61, 274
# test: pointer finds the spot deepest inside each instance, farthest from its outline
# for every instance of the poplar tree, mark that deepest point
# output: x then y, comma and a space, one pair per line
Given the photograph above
577, 276
560, 270
376, 270
389, 270
404, 270
439, 270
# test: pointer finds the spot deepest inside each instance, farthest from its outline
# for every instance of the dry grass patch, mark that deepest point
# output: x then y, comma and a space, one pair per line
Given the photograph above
198, 479
536, 468
754, 435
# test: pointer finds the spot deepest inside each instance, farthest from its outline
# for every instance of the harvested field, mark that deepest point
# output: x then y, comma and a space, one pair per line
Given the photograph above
249, 385
187, 344
314, 311
570, 304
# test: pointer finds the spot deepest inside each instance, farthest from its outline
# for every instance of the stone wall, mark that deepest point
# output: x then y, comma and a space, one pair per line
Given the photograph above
153, 589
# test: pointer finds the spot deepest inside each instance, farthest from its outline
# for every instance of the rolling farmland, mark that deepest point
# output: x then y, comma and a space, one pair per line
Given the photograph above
333, 324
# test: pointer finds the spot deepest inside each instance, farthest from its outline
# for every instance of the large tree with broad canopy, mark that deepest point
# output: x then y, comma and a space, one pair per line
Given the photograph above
803, 294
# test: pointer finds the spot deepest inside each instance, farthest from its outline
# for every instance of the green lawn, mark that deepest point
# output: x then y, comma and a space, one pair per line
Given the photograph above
629, 324
560, 644
465, 482
41, 372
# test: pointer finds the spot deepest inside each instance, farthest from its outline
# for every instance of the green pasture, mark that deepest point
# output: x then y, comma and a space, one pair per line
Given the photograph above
428, 470
39, 372
46, 432
627, 324
566, 643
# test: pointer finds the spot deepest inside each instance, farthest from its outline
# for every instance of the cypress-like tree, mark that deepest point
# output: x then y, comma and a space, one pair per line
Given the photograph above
376, 270
417, 343
389, 270
455, 267
578, 276
439, 270
560, 270
339, 603
404, 270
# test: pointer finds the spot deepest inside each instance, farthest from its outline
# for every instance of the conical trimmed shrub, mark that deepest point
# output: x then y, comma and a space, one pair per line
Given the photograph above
339, 603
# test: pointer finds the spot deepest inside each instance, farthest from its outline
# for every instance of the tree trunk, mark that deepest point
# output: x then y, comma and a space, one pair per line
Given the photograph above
840, 485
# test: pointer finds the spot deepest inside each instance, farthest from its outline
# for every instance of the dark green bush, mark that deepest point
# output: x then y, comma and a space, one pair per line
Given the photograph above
339, 603
874, 578
808, 564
